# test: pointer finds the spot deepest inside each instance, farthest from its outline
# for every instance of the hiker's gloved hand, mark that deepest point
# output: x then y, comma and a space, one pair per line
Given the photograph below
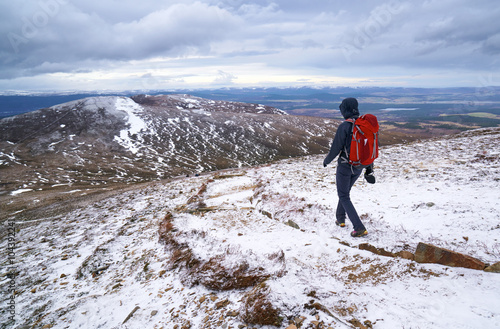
370, 178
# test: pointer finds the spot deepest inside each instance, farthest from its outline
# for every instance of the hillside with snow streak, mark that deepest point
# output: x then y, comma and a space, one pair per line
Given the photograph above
102, 143
257, 247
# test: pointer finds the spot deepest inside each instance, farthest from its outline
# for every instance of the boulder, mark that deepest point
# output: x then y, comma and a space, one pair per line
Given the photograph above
495, 268
427, 253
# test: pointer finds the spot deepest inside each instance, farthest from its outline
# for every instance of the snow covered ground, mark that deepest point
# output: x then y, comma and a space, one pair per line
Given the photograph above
104, 266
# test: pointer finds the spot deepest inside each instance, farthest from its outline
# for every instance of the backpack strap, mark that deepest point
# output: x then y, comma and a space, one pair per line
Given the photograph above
346, 158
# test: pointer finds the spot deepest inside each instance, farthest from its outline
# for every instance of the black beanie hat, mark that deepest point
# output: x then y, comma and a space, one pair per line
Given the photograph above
349, 107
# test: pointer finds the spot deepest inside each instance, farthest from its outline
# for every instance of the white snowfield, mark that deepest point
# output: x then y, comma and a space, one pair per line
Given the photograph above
135, 123
103, 266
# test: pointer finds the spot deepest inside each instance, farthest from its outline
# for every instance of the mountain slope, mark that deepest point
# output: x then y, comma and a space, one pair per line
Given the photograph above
251, 246
108, 141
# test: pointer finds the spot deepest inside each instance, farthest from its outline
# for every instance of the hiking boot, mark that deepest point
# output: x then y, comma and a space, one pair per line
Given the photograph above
339, 223
357, 234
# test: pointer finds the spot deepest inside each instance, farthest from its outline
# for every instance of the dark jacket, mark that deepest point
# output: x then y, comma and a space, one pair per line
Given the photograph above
342, 140
340, 144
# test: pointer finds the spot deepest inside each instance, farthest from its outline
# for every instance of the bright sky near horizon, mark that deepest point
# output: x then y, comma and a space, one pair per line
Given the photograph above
113, 45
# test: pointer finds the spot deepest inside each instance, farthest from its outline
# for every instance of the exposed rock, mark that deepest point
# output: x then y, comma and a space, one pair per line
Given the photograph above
299, 320
291, 223
357, 324
406, 255
315, 324
232, 313
222, 304
495, 268
319, 307
131, 314
427, 253
375, 250
267, 213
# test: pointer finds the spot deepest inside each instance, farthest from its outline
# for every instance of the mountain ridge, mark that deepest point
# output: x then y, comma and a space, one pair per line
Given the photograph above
99, 142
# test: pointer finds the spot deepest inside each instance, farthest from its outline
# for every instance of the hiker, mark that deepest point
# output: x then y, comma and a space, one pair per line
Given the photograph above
347, 174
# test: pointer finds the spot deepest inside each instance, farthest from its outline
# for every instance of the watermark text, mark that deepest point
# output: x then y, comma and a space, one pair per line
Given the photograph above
31, 25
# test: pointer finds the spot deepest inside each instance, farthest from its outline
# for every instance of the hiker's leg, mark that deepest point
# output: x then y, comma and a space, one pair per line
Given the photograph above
340, 214
354, 177
345, 179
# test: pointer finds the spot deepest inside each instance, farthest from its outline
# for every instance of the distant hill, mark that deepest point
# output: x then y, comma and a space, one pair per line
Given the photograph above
410, 113
100, 141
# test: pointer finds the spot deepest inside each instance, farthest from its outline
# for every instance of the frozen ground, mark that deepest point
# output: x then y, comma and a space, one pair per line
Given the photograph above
104, 266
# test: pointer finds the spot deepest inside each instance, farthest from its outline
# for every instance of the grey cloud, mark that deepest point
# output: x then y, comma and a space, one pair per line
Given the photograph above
321, 37
492, 45
74, 36
461, 27
429, 34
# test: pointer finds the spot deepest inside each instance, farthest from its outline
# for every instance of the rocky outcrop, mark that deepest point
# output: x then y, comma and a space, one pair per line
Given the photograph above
495, 268
375, 250
427, 253
406, 255
382, 252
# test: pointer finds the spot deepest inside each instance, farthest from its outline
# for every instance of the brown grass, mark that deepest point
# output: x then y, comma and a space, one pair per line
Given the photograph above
258, 310
213, 275
380, 273
165, 228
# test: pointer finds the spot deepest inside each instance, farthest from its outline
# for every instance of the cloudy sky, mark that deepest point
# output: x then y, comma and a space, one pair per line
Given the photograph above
56, 45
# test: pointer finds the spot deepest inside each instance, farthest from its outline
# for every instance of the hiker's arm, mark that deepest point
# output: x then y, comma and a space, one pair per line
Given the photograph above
338, 143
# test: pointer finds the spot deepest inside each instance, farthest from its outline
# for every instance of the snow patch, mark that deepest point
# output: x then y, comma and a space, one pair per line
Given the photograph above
23, 190
202, 112
135, 123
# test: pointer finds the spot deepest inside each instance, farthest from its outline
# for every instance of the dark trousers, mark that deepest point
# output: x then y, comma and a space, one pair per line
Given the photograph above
346, 177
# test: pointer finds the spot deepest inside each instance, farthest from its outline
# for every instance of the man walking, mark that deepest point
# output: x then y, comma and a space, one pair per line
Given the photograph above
347, 174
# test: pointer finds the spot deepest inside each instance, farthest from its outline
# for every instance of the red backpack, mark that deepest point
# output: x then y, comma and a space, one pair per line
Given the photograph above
364, 141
